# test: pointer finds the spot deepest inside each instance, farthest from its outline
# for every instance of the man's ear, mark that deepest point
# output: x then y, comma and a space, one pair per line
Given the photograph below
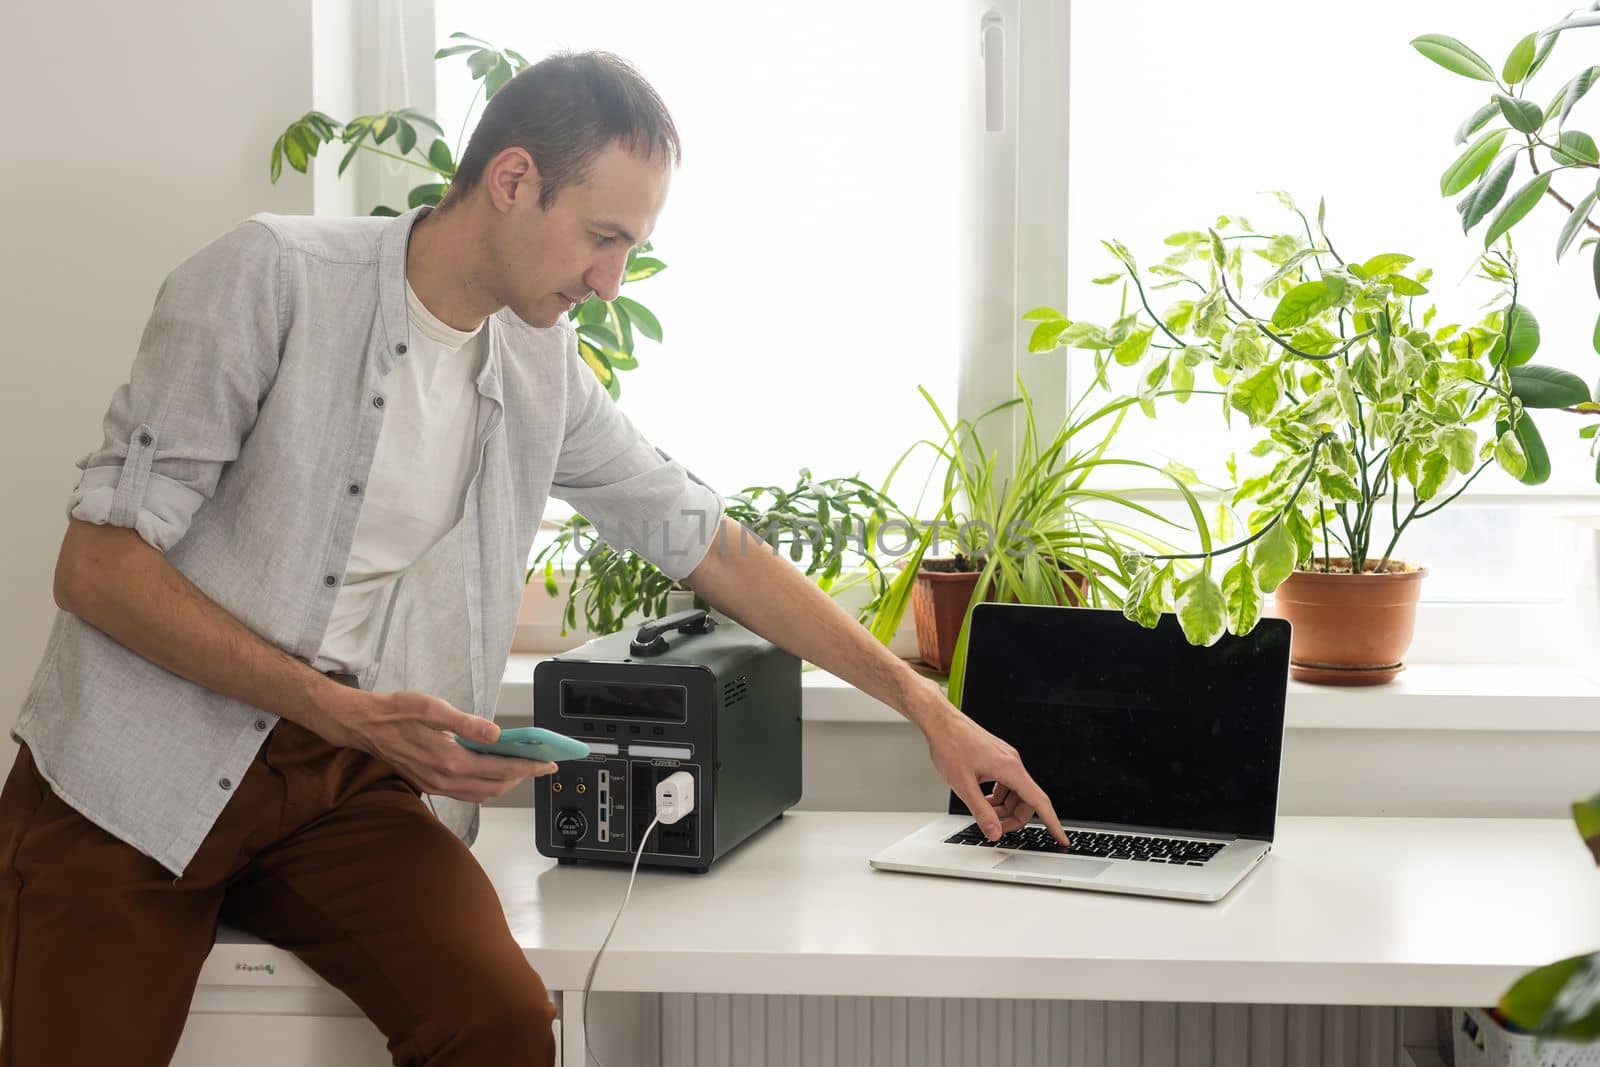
511, 178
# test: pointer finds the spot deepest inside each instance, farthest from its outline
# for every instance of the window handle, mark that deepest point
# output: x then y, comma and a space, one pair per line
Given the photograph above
992, 47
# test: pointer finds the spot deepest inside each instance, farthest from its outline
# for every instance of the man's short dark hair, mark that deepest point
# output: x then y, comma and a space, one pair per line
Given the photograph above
565, 110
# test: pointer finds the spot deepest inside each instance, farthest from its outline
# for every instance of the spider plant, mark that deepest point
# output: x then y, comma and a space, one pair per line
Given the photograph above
1041, 528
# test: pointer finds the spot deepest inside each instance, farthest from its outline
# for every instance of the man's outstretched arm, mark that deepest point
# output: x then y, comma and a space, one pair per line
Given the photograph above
742, 577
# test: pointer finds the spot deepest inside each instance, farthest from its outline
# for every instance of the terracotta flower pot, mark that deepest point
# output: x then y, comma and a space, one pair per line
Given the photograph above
1350, 629
939, 602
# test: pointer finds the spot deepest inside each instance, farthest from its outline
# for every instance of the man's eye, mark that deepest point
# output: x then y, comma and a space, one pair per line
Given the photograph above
602, 239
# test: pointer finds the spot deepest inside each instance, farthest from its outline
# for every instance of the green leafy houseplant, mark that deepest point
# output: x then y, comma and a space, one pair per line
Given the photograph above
1362, 406
1509, 126
1560, 1000
823, 525
1039, 529
606, 329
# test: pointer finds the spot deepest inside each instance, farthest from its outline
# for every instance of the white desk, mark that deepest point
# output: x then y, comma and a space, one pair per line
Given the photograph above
1344, 911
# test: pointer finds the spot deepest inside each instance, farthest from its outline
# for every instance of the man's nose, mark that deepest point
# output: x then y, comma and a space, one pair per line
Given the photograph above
606, 278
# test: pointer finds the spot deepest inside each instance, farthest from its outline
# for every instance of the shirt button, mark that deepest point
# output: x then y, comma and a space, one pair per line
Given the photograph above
329, 580
400, 349
377, 401
261, 724
354, 489
225, 783
144, 439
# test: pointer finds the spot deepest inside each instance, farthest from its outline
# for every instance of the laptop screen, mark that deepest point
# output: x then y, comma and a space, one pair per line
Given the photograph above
1123, 725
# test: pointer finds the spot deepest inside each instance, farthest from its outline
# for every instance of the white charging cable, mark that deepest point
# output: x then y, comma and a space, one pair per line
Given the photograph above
674, 800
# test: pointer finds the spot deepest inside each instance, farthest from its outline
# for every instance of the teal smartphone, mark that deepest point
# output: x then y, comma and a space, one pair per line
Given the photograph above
531, 742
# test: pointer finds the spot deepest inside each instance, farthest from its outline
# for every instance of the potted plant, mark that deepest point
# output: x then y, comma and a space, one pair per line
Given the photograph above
1041, 533
1369, 418
823, 525
605, 328
1507, 127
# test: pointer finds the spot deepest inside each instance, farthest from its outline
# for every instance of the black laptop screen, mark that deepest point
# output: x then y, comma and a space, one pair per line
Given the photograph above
1119, 724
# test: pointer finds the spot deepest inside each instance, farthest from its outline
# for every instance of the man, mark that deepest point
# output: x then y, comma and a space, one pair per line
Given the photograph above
292, 572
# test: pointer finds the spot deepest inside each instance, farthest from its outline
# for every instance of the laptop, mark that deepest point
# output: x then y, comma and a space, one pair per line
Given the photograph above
1160, 758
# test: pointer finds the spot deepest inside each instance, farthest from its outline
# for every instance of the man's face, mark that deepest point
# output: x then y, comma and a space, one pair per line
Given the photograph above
548, 261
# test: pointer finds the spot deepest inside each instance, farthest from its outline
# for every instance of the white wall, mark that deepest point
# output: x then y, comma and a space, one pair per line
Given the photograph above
138, 133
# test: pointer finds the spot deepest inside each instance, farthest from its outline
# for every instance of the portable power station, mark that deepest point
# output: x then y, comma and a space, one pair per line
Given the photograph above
688, 692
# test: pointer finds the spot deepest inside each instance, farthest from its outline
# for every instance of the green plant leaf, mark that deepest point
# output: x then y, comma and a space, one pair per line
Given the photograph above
1482, 198
600, 335
1529, 445
276, 165
1575, 221
1575, 89
1519, 61
406, 139
1476, 121
439, 156
1453, 56
642, 317
1386, 263
642, 268
1258, 394
1460, 444
1275, 555
1575, 146
1560, 1000
1470, 164
1132, 350
426, 194
1046, 336
1303, 303
1524, 336
1547, 387
1241, 594
1201, 609
1520, 204
1586, 816
497, 77
1435, 469
1547, 41
1524, 115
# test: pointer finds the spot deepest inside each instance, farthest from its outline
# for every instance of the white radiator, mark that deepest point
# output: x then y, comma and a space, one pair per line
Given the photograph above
705, 1030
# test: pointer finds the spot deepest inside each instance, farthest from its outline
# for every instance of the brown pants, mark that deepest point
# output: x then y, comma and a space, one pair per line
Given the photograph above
324, 851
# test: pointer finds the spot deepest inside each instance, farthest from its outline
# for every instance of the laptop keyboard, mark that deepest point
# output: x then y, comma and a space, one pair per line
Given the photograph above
1169, 850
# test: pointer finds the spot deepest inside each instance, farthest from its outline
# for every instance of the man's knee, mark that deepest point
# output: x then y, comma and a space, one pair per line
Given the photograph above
516, 1021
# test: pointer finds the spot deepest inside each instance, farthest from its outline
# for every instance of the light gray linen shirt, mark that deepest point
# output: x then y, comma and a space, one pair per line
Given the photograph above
240, 448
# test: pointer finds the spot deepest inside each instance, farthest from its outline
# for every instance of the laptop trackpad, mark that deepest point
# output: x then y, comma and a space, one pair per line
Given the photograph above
1060, 866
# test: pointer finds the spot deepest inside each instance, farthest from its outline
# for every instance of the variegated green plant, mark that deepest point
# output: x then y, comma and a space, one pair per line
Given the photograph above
1364, 407
605, 328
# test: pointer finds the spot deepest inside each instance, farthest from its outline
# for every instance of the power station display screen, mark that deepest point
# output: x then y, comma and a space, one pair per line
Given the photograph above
613, 700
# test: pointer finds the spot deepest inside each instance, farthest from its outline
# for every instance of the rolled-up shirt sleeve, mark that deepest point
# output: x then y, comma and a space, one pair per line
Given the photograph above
208, 356
638, 497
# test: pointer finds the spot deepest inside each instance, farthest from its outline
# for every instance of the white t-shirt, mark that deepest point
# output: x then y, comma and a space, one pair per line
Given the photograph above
415, 491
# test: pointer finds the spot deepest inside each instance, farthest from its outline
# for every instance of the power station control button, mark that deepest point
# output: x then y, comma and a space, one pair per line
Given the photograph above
571, 824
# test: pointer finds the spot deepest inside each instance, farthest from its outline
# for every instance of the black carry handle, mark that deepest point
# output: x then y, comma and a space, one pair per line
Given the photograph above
649, 642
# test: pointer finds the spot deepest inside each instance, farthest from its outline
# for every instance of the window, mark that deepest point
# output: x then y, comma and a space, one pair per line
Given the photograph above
811, 281
1181, 112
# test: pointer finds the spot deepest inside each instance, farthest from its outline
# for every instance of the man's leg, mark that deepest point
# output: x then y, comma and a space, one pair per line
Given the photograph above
386, 903
99, 950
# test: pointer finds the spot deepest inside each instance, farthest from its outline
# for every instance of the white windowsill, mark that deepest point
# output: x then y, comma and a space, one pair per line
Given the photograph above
1458, 697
